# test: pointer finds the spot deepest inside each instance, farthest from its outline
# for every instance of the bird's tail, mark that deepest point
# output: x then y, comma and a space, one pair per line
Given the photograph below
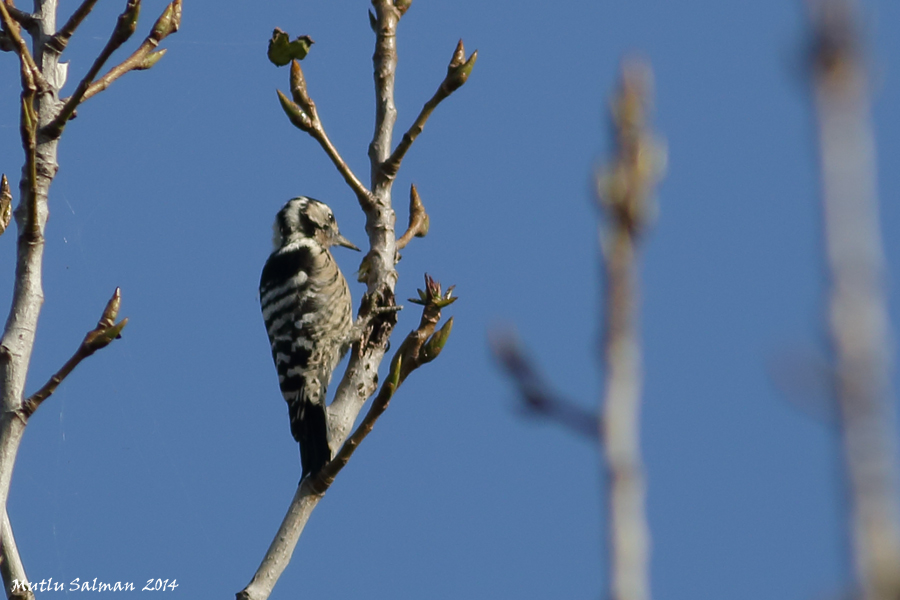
310, 429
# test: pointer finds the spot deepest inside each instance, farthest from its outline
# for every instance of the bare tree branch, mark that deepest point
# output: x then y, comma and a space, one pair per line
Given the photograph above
11, 567
59, 41
536, 396
625, 191
421, 346
858, 315
142, 58
24, 19
124, 29
377, 314
42, 78
31, 75
457, 74
101, 336
303, 114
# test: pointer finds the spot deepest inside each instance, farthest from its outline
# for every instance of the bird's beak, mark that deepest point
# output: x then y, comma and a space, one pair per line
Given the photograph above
340, 240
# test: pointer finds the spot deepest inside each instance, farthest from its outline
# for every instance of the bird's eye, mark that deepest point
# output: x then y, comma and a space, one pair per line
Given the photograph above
331, 218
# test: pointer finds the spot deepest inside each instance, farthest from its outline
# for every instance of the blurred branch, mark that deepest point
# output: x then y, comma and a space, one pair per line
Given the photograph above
536, 396
421, 346
625, 191
303, 114
101, 336
458, 72
858, 316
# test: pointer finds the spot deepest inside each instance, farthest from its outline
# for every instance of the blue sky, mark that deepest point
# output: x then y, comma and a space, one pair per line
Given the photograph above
169, 455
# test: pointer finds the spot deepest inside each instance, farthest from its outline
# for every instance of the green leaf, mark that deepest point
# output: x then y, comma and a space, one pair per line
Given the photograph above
282, 50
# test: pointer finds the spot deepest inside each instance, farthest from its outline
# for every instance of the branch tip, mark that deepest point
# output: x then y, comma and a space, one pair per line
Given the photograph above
101, 336
126, 23
459, 69
294, 113
419, 221
298, 90
112, 310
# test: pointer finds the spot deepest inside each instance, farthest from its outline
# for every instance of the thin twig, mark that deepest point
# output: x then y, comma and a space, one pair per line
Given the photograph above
59, 41
537, 399
143, 58
125, 26
457, 74
625, 192
303, 114
31, 75
858, 314
25, 19
106, 331
146, 55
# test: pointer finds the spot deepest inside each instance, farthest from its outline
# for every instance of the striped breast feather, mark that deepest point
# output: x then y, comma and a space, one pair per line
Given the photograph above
285, 271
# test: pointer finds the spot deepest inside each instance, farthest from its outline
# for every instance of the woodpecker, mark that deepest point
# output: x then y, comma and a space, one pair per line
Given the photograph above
307, 309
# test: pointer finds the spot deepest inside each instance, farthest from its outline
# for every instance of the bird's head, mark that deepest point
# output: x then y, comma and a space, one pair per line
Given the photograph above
303, 218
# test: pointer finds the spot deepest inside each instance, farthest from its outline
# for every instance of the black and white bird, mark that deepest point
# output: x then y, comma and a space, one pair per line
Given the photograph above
308, 313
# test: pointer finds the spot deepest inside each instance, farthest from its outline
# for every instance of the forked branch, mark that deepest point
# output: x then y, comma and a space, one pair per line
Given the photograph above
421, 346
32, 80
304, 116
143, 58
